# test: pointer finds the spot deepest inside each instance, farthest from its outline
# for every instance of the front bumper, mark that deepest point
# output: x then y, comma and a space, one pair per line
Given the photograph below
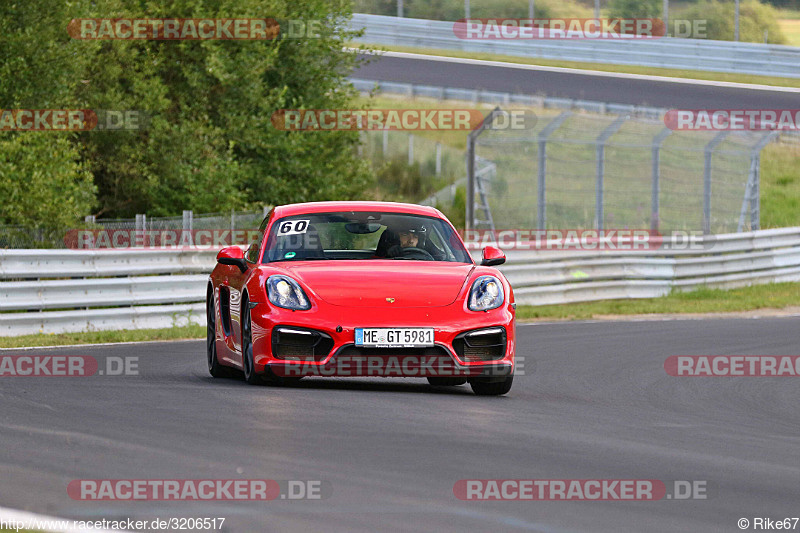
343, 359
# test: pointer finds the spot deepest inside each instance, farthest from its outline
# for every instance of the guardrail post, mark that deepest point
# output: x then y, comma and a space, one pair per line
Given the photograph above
410, 149
656, 190
385, 147
600, 147
541, 202
709, 150
400, 8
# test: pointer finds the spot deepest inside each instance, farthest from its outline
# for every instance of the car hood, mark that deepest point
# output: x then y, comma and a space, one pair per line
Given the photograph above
371, 283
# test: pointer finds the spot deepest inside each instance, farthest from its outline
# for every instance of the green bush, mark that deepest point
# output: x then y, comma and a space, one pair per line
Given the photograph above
634, 8
754, 19
454, 9
209, 144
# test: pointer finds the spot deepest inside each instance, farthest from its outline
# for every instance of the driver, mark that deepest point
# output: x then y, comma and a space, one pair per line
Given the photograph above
411, 235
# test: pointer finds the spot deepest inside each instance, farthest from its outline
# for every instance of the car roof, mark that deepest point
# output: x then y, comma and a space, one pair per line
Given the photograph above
331, 207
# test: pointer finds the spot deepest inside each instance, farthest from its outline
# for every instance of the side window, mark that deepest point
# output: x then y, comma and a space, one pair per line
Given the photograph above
252, 252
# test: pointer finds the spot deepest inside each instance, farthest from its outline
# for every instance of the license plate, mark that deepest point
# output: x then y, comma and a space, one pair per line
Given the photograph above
394, 337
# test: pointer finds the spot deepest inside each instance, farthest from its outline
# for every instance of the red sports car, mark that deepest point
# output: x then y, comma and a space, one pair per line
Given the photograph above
361, 289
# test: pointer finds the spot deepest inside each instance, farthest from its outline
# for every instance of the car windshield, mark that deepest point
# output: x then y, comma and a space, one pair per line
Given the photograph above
363, 235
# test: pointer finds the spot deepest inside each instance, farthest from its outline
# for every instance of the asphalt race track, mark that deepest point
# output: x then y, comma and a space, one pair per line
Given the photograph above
595, 403
600, 87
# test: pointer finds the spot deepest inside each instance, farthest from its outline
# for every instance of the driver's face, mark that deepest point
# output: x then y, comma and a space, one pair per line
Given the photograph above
408, 240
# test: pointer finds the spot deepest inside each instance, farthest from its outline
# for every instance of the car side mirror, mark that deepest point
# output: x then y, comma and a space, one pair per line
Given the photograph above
493, 256
233, 256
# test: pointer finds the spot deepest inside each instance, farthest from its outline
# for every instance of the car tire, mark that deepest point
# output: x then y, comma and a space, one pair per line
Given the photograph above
214, 367
248, 365
484, 387
446, 382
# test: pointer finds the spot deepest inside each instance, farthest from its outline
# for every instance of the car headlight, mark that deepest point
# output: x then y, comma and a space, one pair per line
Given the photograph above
486, 293
284, 292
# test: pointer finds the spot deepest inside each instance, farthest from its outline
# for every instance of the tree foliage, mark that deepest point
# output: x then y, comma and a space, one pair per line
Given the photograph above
207, 143
754, 19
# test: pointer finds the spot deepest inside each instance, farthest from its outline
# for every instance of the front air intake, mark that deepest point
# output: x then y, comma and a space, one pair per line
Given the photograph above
300, 344
481, 344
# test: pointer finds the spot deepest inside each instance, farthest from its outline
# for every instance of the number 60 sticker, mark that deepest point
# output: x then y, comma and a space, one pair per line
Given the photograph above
293, 227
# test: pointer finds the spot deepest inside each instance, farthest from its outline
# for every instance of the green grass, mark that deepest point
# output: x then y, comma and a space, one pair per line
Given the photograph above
91, 337
790, 14
791, 30
780, 186
703, 300
629, 69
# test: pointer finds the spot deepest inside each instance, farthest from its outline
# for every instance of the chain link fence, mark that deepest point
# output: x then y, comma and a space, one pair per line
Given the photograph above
577, 170
25, 237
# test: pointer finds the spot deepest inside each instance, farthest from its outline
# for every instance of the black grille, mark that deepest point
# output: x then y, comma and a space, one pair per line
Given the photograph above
300, 343
481, 344
352, 350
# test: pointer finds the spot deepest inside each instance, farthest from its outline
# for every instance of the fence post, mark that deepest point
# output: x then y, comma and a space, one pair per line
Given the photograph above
541, 211
141, 226
385, 144
438, 159
656, 189
709, 149
752, 193
186, 226
600, 143
410, 149
472, 139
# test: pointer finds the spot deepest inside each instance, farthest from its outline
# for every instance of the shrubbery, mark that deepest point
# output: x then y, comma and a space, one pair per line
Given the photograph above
754, 19
209, 145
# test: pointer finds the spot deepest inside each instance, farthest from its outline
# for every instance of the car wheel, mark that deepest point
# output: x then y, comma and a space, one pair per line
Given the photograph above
248, 365
214, 368
446, 382
485, 387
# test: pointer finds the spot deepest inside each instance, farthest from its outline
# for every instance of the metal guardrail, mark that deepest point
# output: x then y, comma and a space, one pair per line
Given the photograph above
666, 52
173, 291
506, 99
